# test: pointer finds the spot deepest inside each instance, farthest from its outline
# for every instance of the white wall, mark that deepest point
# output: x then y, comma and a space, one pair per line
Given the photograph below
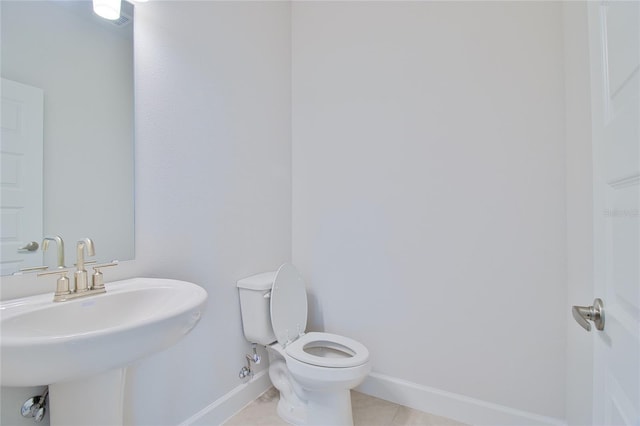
213, 186
213, 180
429, 190
428, 187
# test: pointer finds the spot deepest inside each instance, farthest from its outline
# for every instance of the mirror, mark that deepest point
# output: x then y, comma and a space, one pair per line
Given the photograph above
79, 68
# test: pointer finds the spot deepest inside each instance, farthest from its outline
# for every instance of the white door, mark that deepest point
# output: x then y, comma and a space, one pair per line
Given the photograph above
21, 156
614, 47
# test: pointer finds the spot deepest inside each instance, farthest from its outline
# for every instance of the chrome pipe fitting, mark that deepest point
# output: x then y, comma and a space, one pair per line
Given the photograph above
36, 406
252, 357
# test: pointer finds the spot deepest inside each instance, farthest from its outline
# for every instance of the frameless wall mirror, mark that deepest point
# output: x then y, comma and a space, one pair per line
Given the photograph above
67, 131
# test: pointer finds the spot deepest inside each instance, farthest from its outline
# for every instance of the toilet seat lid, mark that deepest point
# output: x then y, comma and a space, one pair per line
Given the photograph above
328, 350
288, 305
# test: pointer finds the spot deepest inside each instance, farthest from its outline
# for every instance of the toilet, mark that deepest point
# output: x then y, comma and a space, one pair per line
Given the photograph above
314, 372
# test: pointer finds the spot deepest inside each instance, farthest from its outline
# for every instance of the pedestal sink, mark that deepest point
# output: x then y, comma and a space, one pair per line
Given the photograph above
80, 348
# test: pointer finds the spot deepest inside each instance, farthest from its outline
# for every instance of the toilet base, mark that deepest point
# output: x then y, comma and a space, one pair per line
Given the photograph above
290, 413
292, 407
322, 409
329, 408
311, 395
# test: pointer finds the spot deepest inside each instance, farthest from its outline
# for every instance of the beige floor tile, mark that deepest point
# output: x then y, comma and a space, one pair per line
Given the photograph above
367, 411
371, 411
261, 412
410, 417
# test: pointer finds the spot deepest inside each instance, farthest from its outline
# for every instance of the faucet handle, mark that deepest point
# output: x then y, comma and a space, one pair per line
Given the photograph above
31, 269
87, 263
64, 271
105, 265
97, 278
62, 285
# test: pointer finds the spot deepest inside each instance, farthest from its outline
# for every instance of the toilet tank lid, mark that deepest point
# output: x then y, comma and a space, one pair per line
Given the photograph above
262, 281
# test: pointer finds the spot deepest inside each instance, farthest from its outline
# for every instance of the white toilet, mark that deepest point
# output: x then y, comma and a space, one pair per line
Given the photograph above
314, 372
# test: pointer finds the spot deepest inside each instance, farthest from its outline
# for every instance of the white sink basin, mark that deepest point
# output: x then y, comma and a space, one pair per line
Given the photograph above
42, 342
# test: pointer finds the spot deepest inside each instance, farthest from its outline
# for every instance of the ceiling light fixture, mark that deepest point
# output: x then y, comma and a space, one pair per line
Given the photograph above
108, 9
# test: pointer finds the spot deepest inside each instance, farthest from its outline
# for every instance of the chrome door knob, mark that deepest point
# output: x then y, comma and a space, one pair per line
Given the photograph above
32, 246
584, 314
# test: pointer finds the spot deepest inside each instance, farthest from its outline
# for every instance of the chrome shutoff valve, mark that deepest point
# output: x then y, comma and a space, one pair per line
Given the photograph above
35, 407
253, 357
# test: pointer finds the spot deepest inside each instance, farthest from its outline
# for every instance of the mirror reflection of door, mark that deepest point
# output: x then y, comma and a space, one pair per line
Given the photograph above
21, 156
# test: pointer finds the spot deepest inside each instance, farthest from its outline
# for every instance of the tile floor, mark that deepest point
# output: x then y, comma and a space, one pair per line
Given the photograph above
367, 411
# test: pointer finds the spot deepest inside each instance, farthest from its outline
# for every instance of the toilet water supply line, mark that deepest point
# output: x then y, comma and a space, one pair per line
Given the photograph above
246, 370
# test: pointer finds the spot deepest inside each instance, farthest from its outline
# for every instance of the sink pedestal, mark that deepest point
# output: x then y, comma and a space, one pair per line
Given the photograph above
96, 400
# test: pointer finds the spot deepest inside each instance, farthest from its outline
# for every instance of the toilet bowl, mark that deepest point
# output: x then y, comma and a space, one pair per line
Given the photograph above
314, 371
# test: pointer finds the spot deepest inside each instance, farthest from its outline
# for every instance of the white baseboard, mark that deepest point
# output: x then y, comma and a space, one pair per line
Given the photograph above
229, 404
447, 404
435, 401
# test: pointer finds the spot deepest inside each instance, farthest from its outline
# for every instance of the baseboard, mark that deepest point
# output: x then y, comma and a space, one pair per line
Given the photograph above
447, 404
435, 401
229, 404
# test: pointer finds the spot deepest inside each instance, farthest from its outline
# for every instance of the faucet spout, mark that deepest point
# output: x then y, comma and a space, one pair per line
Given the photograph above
59, 246
80, 256
81, 274
91, 251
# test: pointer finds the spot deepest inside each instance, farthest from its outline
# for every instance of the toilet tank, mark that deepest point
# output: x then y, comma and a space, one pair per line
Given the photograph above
255, 306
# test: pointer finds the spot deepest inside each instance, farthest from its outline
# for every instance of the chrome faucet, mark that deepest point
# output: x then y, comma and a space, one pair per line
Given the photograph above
59, 245
81, 274
81, 287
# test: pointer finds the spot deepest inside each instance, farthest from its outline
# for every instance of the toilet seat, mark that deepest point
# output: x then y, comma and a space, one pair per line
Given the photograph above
288, 305
289, 320
328, 350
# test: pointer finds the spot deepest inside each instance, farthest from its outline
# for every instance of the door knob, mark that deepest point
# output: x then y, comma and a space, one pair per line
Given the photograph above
584, 314
32, 246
